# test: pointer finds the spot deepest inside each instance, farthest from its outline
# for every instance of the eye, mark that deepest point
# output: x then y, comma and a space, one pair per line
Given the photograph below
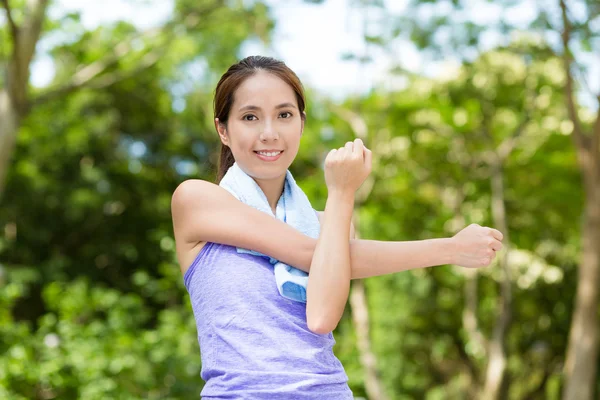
249, 117
286, 114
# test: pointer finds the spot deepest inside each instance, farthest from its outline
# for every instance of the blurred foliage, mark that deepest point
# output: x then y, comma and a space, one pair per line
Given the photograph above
92, 303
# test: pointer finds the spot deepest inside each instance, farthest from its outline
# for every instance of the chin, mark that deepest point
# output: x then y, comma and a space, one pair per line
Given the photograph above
265, 172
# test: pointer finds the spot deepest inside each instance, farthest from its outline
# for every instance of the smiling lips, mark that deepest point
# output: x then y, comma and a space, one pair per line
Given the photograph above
269, 155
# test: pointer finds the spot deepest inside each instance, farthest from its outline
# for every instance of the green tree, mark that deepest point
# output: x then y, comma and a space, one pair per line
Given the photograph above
200, 31
448, 29
441, 147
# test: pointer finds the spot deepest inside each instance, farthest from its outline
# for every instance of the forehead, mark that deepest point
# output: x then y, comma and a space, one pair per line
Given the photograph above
263, 89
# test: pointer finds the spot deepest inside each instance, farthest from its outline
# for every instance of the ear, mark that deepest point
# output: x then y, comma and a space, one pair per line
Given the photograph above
222, 130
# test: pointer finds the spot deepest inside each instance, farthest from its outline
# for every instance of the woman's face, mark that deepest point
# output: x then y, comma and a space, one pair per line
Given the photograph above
264, 126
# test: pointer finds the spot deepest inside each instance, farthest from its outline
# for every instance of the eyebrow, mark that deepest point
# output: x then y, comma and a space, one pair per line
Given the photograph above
253, 107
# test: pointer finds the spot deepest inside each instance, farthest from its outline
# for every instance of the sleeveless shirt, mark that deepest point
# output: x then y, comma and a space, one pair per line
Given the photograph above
254, 343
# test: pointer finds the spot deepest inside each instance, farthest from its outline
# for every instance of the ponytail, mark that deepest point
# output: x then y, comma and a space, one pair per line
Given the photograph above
226, 160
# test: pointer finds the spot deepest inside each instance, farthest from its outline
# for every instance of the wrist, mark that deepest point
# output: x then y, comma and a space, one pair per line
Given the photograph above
448, 251
340, 203
341, 196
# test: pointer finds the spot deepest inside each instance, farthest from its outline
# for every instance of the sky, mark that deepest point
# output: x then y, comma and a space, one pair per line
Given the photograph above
312, 50
309, 38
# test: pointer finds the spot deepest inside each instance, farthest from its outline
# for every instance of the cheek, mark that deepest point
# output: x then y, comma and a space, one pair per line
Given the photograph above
238, 138
241, 146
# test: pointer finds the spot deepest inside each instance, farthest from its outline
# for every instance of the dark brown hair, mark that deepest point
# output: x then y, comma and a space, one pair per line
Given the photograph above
233, 78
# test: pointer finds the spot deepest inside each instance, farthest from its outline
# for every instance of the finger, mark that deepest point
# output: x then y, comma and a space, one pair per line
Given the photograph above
496, 245
358, 147
349, 147
331, 154
368, 157
496, 233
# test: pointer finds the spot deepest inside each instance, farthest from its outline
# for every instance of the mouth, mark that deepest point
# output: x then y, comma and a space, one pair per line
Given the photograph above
269, 155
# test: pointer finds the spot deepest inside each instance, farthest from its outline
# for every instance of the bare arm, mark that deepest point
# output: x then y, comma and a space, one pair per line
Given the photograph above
328, 287
330, 270
205, 212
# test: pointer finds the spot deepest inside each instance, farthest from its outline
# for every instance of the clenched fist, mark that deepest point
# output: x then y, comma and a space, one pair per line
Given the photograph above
347, 168
476, 246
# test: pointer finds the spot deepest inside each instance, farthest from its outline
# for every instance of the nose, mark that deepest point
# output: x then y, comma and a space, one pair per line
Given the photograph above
268, 133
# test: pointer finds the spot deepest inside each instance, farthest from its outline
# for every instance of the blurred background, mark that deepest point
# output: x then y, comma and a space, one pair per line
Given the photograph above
477, 111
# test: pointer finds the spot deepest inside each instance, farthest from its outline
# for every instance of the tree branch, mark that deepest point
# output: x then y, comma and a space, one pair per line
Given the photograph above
509, 144
14, 29
31, 30
468, 363
584, 81
356, 122
91, 76
578, 135
470, 312
596, 141
18, 66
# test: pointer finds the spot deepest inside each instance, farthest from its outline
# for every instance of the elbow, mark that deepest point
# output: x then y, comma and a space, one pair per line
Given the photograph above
321, 324
320, 328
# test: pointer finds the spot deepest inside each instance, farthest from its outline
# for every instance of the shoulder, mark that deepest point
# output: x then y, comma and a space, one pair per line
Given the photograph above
195, 198
197, 209
190, 189
193, 192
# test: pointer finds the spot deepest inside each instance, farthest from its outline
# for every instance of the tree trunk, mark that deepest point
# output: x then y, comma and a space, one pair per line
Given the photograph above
495, 373
360, 318
582, 350
9, 124
13, 97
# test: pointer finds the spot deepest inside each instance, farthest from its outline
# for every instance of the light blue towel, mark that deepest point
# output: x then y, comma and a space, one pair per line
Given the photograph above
293, 208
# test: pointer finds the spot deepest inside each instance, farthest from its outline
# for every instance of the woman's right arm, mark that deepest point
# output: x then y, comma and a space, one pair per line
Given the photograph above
205, 212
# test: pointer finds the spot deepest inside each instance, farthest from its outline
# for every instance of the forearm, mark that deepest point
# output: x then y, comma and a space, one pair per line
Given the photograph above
373, 258
330, 267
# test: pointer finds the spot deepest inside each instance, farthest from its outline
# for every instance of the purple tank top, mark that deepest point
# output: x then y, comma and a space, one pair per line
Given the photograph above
254, 343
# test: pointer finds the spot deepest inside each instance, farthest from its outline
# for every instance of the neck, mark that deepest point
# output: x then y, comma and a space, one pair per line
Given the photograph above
272, 189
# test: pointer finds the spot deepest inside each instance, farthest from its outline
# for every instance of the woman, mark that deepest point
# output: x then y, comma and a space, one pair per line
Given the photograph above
255, 343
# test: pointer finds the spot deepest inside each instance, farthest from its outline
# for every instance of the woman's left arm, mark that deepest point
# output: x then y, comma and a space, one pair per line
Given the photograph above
330, 270
352, 230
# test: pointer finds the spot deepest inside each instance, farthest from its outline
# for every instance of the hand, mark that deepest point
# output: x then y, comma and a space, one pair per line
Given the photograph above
476, 246
347, 168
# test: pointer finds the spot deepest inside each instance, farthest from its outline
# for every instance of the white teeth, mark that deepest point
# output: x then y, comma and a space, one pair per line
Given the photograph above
269, 154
